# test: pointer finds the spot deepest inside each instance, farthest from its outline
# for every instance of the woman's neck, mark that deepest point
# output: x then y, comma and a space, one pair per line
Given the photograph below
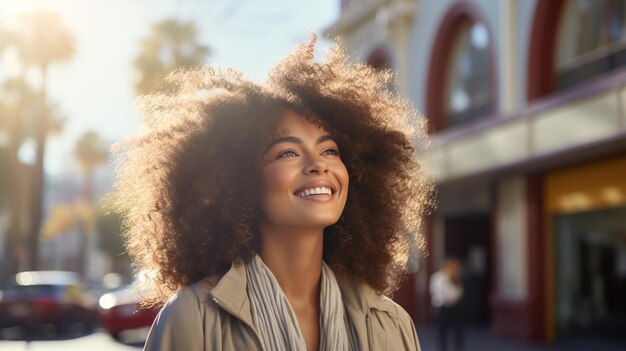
295, 259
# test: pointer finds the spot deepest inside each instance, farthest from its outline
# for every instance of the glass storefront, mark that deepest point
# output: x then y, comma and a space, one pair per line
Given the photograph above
586, 216
590, 253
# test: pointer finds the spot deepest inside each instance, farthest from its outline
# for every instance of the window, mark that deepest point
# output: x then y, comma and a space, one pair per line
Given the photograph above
591, 40
468, 89
461, 76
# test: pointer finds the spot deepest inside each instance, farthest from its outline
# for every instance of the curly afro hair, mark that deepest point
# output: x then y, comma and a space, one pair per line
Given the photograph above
186, 186
378, 134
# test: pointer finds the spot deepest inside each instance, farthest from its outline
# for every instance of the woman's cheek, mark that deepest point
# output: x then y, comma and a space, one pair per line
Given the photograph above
276, 179
276, 189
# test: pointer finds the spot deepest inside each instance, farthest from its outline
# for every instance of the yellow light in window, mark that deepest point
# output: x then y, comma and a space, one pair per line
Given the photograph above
613, 195
575, 201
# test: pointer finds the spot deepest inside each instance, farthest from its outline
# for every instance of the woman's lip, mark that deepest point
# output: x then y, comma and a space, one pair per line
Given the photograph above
317, 198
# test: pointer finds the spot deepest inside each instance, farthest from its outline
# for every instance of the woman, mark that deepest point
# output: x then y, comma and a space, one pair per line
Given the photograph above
276, 217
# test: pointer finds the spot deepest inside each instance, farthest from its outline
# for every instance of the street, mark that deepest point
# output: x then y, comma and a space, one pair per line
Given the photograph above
95, 341
476, 339
480, 339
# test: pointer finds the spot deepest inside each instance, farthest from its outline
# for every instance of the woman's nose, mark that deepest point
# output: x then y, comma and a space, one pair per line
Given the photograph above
316, 165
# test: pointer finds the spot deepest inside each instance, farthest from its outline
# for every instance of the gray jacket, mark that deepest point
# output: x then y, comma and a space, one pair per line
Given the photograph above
216, 316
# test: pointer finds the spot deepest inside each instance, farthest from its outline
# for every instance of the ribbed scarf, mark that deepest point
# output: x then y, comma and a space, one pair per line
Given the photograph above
276, 321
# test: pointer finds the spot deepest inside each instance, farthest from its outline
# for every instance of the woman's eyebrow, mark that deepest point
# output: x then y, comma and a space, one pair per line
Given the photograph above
287, 139
296, 140
324, 138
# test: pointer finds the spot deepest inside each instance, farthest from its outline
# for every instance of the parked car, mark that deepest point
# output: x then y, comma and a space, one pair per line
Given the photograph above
41, 298
121, 311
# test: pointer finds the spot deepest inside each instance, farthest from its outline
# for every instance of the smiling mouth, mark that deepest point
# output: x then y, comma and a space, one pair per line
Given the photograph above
321, 190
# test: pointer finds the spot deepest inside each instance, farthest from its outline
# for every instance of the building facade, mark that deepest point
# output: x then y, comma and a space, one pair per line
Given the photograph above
526, 103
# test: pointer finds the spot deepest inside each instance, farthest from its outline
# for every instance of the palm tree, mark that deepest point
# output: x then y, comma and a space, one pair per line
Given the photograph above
5, 41
16, 114
90, 152
42, 40
171, 44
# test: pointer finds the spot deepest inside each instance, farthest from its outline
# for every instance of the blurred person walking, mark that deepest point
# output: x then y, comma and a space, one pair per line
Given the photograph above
446, 291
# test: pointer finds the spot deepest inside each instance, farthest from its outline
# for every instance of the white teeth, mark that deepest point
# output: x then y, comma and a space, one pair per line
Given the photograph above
316, 191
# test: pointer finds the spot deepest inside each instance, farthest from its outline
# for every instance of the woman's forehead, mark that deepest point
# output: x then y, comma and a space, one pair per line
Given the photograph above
292, 122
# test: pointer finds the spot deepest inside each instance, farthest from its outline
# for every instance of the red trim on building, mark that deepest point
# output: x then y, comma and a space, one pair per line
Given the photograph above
542, 51
405, 295
423, 314
541, 82
456, 15
494, 259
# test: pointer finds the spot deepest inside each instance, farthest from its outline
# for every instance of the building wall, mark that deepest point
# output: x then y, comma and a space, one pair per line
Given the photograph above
509, 22
500, 168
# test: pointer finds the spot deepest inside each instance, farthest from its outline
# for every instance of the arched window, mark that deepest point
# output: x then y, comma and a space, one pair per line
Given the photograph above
591, 40
468, 89
460, 77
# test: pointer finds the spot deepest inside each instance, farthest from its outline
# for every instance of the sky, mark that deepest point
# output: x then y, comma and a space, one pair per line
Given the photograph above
94, 90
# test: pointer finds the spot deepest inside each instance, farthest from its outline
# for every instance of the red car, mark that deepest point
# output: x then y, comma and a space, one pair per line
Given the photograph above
47, 298
120, 311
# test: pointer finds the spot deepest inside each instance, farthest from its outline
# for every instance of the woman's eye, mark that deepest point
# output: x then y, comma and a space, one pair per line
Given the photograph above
331, 151
287, 153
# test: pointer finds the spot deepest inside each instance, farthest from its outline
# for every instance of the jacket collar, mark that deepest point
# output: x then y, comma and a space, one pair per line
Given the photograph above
231, 293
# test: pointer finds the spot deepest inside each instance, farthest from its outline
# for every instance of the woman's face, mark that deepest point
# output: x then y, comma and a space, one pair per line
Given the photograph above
304, 181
